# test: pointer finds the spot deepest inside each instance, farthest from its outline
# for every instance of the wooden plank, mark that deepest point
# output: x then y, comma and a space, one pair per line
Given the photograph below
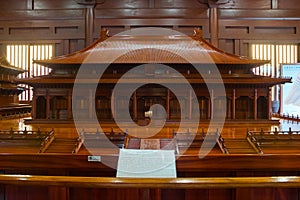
168, 183
184, 163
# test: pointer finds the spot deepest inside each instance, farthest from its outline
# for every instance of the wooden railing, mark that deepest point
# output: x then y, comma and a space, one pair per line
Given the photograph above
24, 133
254, 142
17, 111
196, 139
47, 141
117, 138
288, 117
78, 145
261, 134
170, 183
221, 144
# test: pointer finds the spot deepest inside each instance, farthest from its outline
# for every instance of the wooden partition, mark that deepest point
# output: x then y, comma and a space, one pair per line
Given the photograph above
72, 177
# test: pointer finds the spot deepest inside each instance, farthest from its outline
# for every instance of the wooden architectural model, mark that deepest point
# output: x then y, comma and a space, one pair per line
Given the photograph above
247, 95
9, 90
47, 156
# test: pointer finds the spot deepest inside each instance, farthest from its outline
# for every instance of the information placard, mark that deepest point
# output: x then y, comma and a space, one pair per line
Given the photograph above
138, 163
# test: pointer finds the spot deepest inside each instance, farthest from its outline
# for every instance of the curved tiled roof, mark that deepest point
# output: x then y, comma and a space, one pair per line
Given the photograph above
151, 49
8, 68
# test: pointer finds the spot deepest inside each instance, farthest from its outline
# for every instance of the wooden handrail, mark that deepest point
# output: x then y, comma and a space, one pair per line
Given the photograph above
262, 133
46, 142
16, 133
170, 183
79, 143
287, 117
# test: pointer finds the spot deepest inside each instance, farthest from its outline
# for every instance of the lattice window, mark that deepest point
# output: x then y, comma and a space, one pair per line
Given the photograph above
22, 55
278, 54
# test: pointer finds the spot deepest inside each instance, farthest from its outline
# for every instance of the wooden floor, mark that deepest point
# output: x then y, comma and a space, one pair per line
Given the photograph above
66, 137
215, 164
232, 130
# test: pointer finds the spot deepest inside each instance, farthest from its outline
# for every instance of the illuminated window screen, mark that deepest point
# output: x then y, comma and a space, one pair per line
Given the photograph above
22, 55
276, 54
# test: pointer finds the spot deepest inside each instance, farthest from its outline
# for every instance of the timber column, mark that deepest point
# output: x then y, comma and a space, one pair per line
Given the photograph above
47, 105
233, 103
70, 104
255, 104
89, 6
33, 109
89, 24
270, 104
214, 25
135, 106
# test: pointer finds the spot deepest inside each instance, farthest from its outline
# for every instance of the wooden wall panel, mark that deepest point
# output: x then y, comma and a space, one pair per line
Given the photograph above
240, 20
123, 4
288, 4
259, 14
55, 4
71, 4
227, 45
14, 5
179, 4
185, 26
246, 4
287, 193
112, 29
29, 15
41, 30
275, 30
260, 29
148, 14
189, 30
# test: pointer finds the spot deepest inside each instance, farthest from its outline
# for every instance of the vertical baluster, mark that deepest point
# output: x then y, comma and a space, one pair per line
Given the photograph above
290, 133
262, 133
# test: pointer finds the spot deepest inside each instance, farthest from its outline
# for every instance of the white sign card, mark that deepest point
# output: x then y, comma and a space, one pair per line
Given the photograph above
137, 163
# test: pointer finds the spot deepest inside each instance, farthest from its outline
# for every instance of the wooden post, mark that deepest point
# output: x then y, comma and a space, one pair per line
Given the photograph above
69, 104
134, 106
168, 104
255, 104
233, 103
89, 24
190, 104
33, 109
47, 105
269, 103
91, 104
214, 25
211, 110
112, 104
